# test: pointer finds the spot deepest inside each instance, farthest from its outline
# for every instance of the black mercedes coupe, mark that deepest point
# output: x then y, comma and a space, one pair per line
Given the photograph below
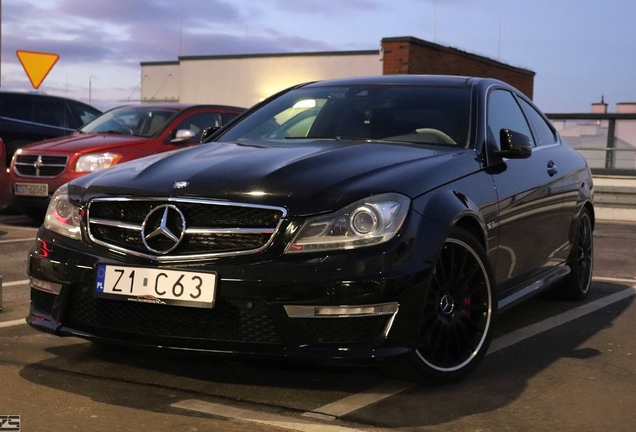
384, 219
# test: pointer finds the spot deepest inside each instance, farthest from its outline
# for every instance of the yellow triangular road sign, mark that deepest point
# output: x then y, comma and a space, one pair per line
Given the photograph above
37, 65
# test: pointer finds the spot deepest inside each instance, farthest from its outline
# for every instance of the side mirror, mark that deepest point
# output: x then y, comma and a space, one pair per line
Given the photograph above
183, 135
208, 132
514, 145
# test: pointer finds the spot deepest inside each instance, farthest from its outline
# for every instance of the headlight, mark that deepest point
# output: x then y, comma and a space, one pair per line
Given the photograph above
368, 222
62, 216
96, 161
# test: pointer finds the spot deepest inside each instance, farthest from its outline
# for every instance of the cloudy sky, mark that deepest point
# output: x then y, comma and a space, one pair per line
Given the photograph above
580, 50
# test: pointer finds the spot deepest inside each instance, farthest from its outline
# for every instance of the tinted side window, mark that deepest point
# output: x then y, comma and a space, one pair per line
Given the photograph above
504, 113
16, 106
197, 123
545, 134
83, 112
51, 112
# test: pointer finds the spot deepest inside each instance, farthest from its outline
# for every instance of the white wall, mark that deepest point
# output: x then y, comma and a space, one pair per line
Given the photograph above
160, 82
245, 80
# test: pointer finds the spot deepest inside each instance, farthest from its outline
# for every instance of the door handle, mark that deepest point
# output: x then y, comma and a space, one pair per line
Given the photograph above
552, 168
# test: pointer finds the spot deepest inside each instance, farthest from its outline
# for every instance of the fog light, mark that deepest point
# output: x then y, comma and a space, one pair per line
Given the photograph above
45, 286
330, 311
294, 311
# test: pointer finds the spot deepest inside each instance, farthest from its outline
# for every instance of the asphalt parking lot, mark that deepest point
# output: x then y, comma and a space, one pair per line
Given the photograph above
553, 366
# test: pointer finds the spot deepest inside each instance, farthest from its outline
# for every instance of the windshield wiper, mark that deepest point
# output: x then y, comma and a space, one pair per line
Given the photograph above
344, 138
335, 138
310, 137
378, 140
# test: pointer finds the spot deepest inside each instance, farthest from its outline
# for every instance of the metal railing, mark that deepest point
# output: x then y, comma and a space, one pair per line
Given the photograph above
607, 141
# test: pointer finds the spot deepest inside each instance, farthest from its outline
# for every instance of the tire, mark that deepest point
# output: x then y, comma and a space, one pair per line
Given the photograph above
577, 284
458, 315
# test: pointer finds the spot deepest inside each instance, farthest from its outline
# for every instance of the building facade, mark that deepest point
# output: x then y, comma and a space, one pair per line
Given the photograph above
244, 80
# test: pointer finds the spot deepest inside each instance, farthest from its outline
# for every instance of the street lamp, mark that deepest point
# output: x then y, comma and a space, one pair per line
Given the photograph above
90, 88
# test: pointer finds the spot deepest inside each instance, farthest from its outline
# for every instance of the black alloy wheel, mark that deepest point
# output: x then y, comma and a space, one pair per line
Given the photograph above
581, 261
459, 311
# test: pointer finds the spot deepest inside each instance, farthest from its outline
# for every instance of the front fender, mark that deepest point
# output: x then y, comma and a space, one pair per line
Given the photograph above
470, 202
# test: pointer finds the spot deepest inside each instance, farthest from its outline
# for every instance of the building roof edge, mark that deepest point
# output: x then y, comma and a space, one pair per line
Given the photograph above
160, 63
290, 54
433, 45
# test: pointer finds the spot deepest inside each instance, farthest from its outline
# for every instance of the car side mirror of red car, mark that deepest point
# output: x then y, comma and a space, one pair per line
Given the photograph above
183, 135
514, 145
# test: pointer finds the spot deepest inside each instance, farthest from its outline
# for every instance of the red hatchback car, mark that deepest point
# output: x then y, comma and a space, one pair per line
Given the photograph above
5, 192
117, 136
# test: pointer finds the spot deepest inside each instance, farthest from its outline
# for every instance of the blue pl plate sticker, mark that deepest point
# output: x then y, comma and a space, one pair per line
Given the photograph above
101, 275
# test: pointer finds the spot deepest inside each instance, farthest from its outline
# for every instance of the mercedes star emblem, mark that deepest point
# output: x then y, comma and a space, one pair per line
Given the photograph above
163, 229
447, 305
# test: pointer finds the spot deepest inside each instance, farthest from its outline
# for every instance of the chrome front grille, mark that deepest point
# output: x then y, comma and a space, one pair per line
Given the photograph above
179, 229
39, 165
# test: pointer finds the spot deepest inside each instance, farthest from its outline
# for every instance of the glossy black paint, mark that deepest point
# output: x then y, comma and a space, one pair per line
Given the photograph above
522, 211
288, 175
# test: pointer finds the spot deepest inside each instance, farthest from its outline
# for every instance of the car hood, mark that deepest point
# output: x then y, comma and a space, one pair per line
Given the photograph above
79, 143
305, 178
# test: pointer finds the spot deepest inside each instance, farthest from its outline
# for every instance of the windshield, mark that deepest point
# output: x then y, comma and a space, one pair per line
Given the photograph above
414, 114
137, 120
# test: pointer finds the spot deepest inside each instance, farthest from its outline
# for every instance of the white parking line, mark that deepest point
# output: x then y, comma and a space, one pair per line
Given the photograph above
21, 240
258, 417
18, 228
19, 321
557, 320
611, 279
12, 323
15, 283
354, 402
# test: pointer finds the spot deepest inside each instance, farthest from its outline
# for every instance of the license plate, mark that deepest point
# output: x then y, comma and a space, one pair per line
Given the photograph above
158, 286
31, 189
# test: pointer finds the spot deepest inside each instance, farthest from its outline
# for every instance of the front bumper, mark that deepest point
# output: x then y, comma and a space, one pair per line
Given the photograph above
354, 305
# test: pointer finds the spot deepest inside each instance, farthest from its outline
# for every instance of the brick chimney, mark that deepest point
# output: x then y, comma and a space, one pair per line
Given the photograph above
599, 107
626, 108
409, 55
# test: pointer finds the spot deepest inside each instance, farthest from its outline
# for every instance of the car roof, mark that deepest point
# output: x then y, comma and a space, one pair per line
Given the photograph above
39, 94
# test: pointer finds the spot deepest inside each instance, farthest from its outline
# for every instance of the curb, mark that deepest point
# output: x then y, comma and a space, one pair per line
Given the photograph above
615, 214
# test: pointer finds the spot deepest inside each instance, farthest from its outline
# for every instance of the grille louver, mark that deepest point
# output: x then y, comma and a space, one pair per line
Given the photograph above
212, 228
39, 165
